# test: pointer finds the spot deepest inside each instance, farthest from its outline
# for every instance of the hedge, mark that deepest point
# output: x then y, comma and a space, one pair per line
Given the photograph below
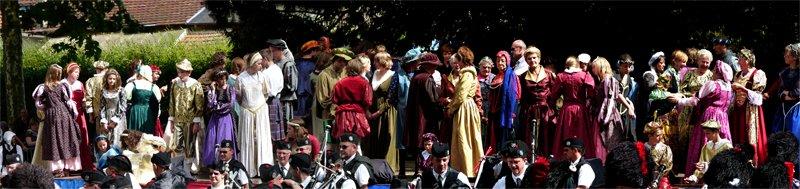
160, 49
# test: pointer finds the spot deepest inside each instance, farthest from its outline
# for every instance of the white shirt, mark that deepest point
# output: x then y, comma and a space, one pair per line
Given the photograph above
521, 67
585, 174
307, 181
275, 77
500, 184
285, 168
461, 177
241, 176
362, 174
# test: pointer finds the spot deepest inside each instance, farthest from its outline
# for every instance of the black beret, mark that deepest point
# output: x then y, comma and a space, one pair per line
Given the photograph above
11, 159
302, 161
440, 150
302, 142
121, 163
281, 145
279, 43
94, 177
349, 137
226, 144
161, 159
573, 143
516, 149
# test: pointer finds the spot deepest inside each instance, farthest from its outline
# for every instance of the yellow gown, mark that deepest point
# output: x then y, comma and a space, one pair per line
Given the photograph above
466, 147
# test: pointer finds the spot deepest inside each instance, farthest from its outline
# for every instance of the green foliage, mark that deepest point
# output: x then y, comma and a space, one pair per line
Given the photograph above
159, 49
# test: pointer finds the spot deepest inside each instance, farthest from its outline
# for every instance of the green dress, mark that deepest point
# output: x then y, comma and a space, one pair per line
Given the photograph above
143, 110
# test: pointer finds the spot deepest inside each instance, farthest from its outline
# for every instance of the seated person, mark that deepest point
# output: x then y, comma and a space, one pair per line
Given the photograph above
573, 171
103, 150
93, 179
714, 145
356, 167
442, 175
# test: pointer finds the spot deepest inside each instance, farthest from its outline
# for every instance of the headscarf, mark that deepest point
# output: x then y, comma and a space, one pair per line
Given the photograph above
255, 58
724, 70
8, 136
145, 72
504, 54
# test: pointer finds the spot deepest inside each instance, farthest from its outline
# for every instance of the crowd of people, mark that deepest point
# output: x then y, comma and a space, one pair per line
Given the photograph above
506, 121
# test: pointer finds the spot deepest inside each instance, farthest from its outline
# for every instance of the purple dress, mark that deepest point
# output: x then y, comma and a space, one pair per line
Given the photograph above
713, 105
220, 127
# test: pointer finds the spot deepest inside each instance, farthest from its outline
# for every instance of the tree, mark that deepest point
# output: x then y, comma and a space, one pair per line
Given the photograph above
79, 20
11, 33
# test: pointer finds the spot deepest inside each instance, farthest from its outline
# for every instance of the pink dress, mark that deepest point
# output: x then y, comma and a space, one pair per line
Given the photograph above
77, 92
712, 103
573, 120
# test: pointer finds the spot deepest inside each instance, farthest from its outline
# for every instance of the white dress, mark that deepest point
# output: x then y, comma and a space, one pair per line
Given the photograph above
254, 135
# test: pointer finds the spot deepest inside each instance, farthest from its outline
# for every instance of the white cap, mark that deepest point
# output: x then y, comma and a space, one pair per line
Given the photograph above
584, 58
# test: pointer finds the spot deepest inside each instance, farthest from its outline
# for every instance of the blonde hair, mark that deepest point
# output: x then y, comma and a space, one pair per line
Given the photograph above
748, 54
605, 67
705, 53
53, 76
571, 62
652, 128
384, 59
533, 50
486, 61
680, 55
356, 65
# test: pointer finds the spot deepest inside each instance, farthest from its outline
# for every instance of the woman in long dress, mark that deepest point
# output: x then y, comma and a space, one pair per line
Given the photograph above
219, 103
536, 85
77, 92
112, 107
254, 136
353, 96
467, 149
58, 144
712, 103
747, 117
608, 95
139, 148
144, 97
573, 121
384, 120
787, 117
679, 135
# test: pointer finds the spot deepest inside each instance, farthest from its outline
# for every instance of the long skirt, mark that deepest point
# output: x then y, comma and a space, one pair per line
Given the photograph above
220, 127
748, 127
466, 148
255, 138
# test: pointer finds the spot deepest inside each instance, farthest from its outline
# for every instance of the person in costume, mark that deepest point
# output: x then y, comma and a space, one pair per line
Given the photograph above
186, 106
352, 97
77, 92
253, 133
628, 87
94, 86
220, 98
787, 117
609, 118
273, 73
747, 118
715, 144
112, 106
660, 153
139, 147
424, 114
536, 100
384, 116
573, 171
235, 170
690, 85
779, 170
731, 168
442, 175
143, 97
465, 112
59, 143
576, 86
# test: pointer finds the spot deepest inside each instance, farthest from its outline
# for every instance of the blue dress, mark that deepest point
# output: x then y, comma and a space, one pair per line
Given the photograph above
787, 117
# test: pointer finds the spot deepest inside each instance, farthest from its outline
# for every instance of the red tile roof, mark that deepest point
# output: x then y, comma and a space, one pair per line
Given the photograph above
163, 12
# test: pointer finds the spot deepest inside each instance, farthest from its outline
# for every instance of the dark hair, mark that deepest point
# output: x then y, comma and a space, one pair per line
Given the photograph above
28, 176
219, 58
623, 167
322, 60
781, 149
219, 74
728, 166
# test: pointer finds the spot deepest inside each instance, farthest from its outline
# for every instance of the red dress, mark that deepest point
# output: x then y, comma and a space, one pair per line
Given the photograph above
352, 96
746, 118
535, 104
446, 127
423, 115
86, 155
573, 120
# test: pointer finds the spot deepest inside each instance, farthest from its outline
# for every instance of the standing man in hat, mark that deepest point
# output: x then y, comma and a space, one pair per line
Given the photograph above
164, 178
92, 102
186, 105
233, 168
281, 169
726, 55
424, 113
584, 59
574, 171
283, 57
355, 166
305, 93
442, 175
324, 87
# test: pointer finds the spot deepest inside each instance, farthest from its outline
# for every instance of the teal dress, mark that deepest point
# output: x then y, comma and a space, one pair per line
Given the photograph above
143, 110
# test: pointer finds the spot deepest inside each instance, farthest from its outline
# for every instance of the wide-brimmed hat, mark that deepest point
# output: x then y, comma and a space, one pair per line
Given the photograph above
309, 45
184, 65
429, 58
411, 56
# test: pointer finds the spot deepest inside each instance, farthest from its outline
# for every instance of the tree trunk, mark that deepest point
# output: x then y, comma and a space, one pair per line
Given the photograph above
11, 33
